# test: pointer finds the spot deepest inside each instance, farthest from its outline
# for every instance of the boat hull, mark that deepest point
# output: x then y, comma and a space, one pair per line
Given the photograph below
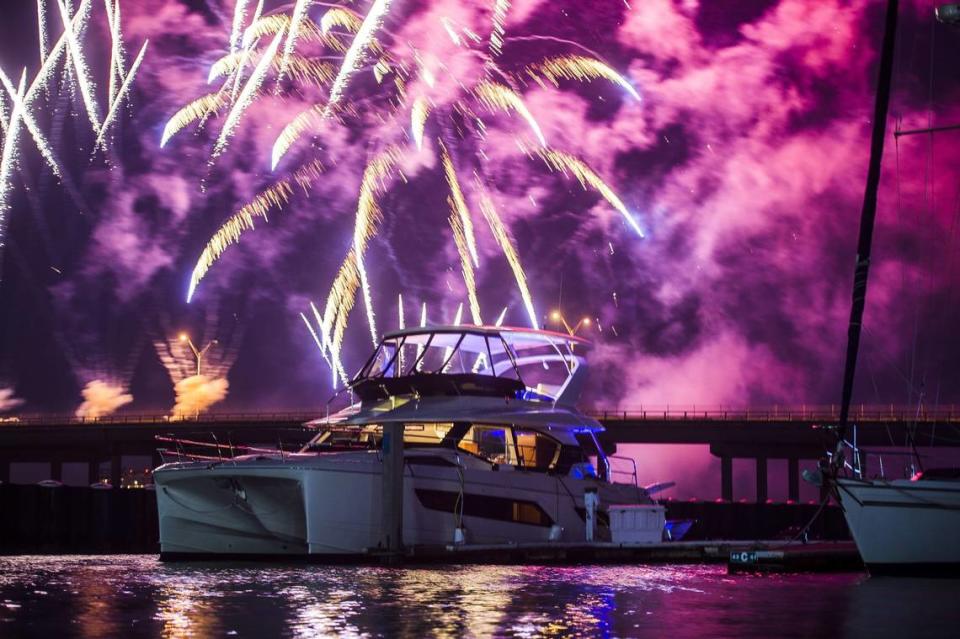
902, 526
330, 506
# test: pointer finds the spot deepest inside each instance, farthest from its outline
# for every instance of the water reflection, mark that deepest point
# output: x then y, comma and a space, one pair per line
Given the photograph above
138, 596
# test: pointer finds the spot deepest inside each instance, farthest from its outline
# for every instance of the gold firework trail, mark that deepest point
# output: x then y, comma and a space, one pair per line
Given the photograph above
300, 68
580, 68
243, 220
466, 267
246, 96
560, 161
292, 132
496, 96
368, 221
458, 204
340, 17
196, 110
510, 252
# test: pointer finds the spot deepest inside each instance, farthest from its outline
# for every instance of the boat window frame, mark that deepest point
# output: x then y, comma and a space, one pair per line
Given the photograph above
556, 456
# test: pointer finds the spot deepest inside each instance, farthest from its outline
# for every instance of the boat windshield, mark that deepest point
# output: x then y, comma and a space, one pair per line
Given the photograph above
541, 362
446, 353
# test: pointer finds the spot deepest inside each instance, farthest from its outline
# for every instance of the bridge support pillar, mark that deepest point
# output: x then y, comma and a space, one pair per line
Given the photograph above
56, 469
793, 479
726, 478
761, 480
116, 469
5, 471
93, 471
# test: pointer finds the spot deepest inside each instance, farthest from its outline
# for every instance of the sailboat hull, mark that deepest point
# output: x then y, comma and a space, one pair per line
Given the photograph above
902, 526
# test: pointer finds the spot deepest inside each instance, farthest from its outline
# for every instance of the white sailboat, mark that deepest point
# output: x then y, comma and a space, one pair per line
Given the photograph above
900, 526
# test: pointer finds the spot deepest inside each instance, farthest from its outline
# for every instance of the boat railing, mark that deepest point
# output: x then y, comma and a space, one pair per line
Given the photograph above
861, 461
185, 449
631, 469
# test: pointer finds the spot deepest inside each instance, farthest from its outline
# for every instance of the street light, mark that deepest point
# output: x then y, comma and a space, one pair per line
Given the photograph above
948, 13
197, 353
557, 316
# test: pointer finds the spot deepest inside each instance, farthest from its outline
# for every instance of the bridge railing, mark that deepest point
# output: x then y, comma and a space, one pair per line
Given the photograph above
802, 413
128, 419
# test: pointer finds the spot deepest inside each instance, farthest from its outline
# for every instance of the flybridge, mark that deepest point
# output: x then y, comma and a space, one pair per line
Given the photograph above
517, 363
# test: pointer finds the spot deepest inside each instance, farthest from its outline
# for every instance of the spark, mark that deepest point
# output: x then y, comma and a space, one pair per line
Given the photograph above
420, 345
401, 323
116, 47
500, 9
121, 93
8, 157
196, 110
82, 72
23, 115
510, 252
458, 317
246, 96
357, 50
448, 27
239, 16
296, 19
502, 316
230, 231
418, 119
581, 68
560, 161
42, 27
498, 96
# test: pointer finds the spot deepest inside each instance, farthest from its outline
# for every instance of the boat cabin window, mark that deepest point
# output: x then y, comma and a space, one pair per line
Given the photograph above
493, 443
537, 451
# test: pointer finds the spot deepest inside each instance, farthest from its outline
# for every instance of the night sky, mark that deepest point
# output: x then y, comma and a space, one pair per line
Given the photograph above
743, 162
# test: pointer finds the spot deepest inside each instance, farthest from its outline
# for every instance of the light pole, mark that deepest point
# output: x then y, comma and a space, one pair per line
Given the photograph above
557, 316
197, 353
948, 13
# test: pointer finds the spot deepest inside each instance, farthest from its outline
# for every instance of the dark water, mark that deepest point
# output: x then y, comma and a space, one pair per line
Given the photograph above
137, 596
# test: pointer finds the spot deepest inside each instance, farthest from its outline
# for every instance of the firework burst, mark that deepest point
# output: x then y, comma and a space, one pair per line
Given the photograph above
412, 91
69, 56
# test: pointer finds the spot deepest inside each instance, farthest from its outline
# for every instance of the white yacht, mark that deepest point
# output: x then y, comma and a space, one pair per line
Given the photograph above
493, 452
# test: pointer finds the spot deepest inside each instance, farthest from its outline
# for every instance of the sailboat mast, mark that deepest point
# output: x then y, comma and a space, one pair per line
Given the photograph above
869, 212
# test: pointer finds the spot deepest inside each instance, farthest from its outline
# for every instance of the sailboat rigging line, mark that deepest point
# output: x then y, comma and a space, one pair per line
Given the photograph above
868, 214
933, 129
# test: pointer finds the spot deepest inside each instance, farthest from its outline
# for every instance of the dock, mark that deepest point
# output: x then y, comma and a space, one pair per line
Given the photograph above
740, 556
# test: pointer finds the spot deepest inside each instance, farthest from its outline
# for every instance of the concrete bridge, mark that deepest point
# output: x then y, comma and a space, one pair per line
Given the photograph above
760, 434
